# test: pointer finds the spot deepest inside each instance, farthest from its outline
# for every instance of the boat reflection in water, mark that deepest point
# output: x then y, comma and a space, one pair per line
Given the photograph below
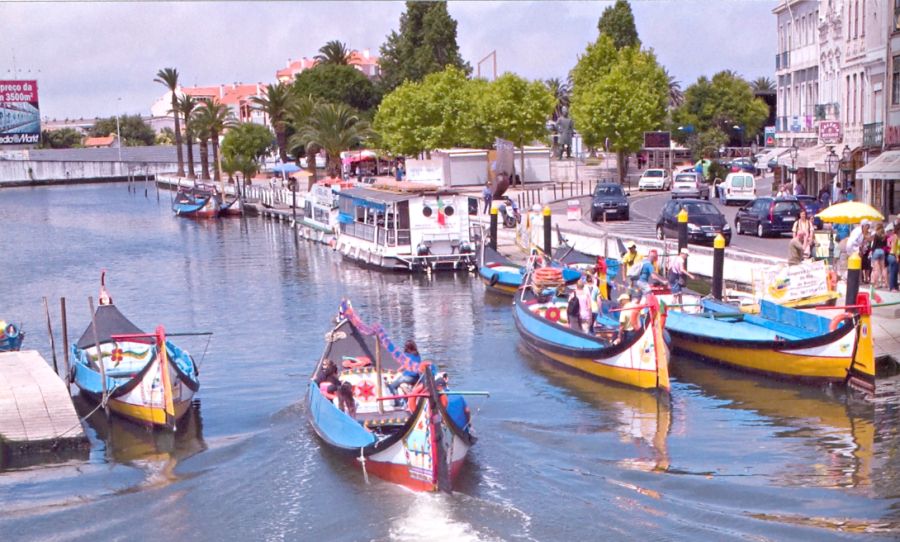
836, 428
156, 452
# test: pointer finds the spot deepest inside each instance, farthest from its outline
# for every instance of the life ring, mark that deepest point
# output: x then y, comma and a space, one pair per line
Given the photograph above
548, 274
356, 362
552, 314
12, 331
495, 278
413, 401
837, 320
831, 279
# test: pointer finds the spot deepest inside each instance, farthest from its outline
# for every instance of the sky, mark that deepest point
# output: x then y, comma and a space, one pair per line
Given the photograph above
100, 58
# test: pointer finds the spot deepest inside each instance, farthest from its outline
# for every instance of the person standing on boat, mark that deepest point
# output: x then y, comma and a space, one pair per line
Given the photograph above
630, 261
648, 274
410, 373
627, 316
594, 295
584, 304
573, 311
676, 275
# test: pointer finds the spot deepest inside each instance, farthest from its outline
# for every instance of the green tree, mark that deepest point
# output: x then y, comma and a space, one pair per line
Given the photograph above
762, 85
168, 77
185, 105
243, 147
166, 136
134, 131
299, 111
561, 92
274, 103
403, 119
426, 43
213, 117
337, 84
617, 22
64, 138
334, 52
617, 96
676, 96
720, 104
334, 128
517, 110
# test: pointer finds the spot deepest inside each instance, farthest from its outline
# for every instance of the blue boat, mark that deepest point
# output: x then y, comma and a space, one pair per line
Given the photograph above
503, 276
11, 336
197, 202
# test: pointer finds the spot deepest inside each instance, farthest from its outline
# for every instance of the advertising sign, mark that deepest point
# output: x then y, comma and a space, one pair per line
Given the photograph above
784, 283
20, 118
770, 136
657, 140
830, 131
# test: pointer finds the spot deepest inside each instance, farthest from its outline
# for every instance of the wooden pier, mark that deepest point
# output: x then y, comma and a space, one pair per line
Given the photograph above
36, 411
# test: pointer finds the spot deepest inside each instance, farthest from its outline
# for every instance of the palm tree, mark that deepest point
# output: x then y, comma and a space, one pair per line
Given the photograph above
561, 91
202, 132
762, 85
214, 117
299, 111
275, 104
676, 96
334, 52
334, 128
185, 105
169, 78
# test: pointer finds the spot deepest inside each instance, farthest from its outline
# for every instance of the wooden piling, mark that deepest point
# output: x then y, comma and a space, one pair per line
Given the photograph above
65, 337
50, 333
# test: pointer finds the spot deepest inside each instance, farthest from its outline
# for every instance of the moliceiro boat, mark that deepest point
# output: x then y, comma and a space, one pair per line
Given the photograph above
11, 336
406, 226
201, 201
782, 341
503, 276
421, 444
140, 376
639, 359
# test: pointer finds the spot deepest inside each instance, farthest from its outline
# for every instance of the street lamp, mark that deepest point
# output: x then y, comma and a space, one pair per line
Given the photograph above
846, 164
831, 165
794, 152
740, 130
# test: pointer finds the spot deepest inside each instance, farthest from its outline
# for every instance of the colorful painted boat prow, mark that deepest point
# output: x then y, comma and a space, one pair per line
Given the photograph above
197, 202
11, 336
140, 376
235, 207
421, 444
782, 341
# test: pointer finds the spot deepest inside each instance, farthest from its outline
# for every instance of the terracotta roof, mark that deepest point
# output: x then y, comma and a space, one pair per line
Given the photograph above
100, 141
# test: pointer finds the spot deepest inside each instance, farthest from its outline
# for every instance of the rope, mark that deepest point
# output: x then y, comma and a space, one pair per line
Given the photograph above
101, 404
362, 461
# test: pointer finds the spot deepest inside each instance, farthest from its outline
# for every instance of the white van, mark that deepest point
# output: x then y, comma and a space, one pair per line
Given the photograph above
740, 187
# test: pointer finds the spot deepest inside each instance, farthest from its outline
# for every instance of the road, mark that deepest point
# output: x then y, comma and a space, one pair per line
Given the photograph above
645, 209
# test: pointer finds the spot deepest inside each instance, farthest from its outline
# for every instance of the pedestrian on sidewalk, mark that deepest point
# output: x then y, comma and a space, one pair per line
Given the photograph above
805, 224
879, 249
893, 244
487, 195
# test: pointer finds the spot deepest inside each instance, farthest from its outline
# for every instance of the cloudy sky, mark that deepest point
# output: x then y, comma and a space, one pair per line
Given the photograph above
97, 59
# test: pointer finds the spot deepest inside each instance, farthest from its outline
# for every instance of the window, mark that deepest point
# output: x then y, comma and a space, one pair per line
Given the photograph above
895, 80
862, 32
856, 19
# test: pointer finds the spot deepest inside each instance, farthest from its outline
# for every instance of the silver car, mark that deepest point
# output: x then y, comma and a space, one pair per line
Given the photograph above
690, 185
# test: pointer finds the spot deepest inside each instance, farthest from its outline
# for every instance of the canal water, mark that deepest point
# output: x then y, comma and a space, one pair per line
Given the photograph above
728, 456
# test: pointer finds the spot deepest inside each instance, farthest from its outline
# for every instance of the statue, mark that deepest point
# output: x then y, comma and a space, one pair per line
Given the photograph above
566, 127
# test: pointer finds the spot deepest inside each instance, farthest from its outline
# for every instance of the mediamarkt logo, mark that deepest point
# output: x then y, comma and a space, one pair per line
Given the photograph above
19, 139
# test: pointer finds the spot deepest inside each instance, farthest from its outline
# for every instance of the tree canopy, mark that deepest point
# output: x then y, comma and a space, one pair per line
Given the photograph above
618, 95
135, 132
64, 138
426, 43
617, 22
334, 52
243, 146
517, 110
337, 84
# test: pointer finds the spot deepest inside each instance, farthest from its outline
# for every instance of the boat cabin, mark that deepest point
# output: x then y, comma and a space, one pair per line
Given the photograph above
406, 227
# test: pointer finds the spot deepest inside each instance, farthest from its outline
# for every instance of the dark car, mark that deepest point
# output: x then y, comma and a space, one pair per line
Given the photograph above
704, 221
609, 199
767, 216
744, 164
812, 206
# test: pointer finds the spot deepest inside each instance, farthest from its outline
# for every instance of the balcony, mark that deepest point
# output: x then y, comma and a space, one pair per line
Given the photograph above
782, 61
873, 135
828, 111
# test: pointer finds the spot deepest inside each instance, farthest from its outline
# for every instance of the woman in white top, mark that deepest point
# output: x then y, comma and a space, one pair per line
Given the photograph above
676, 275
805, 224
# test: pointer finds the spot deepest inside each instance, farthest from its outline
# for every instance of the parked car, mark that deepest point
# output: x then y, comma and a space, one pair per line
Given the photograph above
746, 165
611, 200
737, 187
812, 206
767, 216
705, 220
655, 179
690, 185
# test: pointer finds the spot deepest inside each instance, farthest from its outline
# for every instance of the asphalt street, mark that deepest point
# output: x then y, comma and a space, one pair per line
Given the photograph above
645, 209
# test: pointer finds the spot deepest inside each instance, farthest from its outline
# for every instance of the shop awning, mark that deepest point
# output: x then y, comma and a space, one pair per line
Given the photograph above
771, 154
807, 157
886, 166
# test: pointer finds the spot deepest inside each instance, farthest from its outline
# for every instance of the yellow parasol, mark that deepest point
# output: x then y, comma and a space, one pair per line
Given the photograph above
849, 212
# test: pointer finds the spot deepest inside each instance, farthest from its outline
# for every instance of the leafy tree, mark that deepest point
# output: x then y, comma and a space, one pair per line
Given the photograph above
426, 43
337, 84
169, 78
617, 22
64, 138
274, 103
185, 105
720, 104
334, 128
517, 110
214, 117
166, 136
299, 111
243, 147
334, 52
617, 96
135, 132
403, 118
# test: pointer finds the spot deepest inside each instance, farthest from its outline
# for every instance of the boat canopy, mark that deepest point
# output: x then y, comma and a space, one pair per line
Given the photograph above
109, 322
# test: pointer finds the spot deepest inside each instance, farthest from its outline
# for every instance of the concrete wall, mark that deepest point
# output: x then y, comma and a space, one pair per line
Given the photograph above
537, 165
29, 171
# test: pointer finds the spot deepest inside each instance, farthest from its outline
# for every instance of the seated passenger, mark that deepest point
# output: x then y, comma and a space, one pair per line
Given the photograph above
327, 379
409, 375
346, 400
455, 405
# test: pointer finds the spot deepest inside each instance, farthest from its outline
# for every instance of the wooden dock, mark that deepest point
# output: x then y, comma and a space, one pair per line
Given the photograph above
36, 411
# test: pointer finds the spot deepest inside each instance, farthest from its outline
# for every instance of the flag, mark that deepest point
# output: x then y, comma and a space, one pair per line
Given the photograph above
441, 218
873, 294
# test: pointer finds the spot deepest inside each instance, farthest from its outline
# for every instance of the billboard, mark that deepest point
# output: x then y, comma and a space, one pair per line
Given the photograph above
20, 118
657, 140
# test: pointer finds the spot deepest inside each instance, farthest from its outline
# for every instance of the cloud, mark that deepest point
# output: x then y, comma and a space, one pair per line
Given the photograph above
97, 59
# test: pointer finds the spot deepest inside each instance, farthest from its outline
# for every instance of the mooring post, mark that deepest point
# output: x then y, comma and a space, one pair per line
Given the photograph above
50, 333
548, 232
854, 264
65, 338
682, 229
718, 266
494, 228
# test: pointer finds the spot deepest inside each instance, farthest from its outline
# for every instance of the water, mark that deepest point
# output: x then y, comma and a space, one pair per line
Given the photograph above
729, 456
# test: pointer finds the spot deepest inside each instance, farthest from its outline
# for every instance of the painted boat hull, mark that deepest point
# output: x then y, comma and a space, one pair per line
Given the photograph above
12, 344
205, 207
232, 208
641, 361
